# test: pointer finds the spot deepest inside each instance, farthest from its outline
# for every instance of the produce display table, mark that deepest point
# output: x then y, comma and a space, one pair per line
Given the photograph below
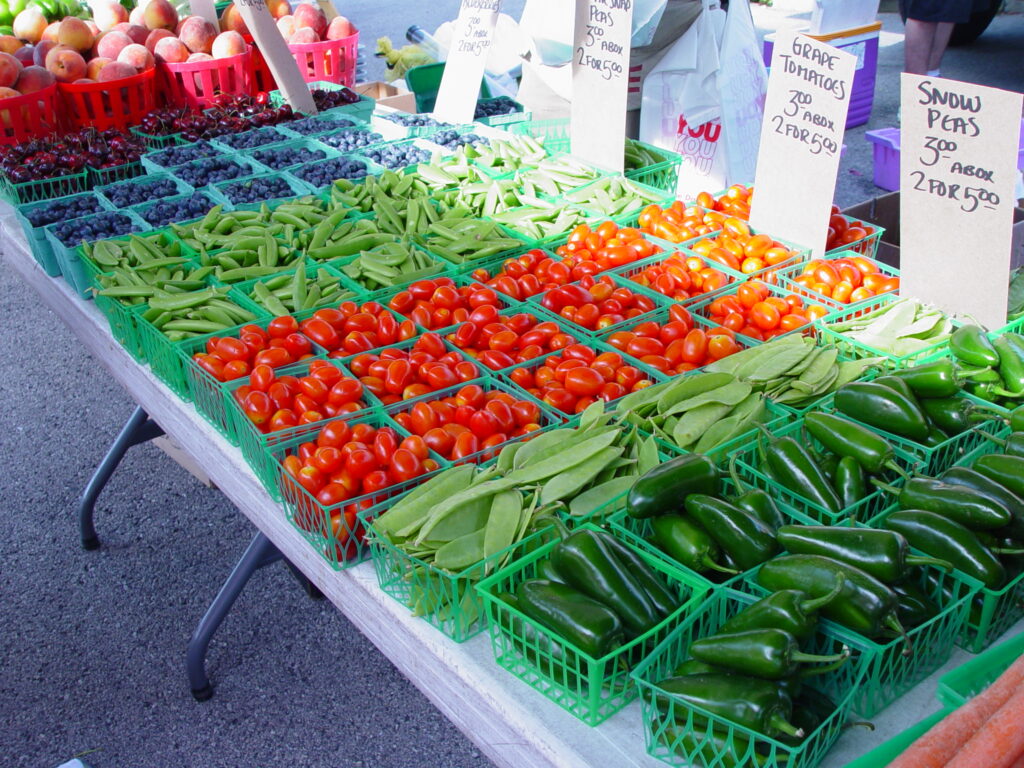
508, 721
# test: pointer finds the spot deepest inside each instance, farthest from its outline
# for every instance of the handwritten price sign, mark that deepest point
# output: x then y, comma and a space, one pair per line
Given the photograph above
802, 138
464, 68
958, 162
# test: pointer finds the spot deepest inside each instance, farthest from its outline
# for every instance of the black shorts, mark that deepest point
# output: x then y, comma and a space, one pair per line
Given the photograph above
955, 11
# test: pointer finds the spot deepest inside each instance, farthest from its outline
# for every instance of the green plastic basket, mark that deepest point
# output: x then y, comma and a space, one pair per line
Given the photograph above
274, 159
974, 676
553, 134
39, 244
155, 161
888, 751
75, 272
211, 197
787, 279
298, 188
769, 273
43, 189
631, 271
633, 205
662, 175
592, 689
867, 246
99, 177
317, 125
500, 121
349, 290
122, 319
670, 723
149, 179
249, 167
154, 142
425, 81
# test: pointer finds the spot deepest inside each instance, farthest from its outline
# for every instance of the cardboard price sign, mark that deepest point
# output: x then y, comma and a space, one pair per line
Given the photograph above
206, 9
467, 57
801, 139
958, 164
600, 76
275, 50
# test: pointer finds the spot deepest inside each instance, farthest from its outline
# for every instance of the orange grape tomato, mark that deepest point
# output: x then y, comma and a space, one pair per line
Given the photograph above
815, 311
764, 316
859, 294
889, 284
721, 346
866, 266
792, 321
736, 227
842, 291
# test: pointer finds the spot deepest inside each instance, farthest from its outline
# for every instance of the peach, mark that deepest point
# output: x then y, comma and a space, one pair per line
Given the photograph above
231, 21
116, 70
34, 78
198, 34
199, 57
136, 17
42, 48
8, 93
83, 81
160, 14
30, 24
286, 26
25, 54
66, 64
279, 8
137, 33
339, 28
307, 15
107, 14
52, 32
303, 35
155, 37
228, 44
111, 44
10, 44
171, 50
75, 33
10, 70
137, 56
93, 67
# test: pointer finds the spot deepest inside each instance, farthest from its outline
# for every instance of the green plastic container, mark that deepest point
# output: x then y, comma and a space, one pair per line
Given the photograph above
671, 250
207, 192
154, 142
272, 153
583, 195
122, 319
43, 189
99, 177
668, 721
974, 676
298, 188
425, 81
150, 178
787, 279
39, 244
501, 121
349, 290
75, 273
662, 175
553, 134
884, 754
867, 246
592, 689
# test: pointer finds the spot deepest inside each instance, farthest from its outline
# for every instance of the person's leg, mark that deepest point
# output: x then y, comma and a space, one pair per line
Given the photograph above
940, 42
917, 46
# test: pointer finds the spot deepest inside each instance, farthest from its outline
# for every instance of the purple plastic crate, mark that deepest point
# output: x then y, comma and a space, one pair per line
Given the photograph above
865, 47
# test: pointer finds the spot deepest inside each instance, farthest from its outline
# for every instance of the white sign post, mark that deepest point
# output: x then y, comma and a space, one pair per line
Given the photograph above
467, 57
958, 164
206, 9
801, 139
275, 50
600, 76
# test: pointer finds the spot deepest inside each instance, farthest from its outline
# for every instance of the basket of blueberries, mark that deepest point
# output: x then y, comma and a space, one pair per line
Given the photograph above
33, 217
125, 194
256, 190
66, 236
186, 207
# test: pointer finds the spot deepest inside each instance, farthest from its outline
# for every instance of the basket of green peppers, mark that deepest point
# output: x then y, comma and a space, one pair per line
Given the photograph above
571, 618
751, 682
990, 364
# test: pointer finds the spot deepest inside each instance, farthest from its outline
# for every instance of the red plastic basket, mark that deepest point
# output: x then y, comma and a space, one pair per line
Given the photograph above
115, 104
196, 84
26, 117
332, 61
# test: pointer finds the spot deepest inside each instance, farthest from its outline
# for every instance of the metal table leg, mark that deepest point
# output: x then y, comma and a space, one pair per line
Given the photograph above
138, 429
260, 553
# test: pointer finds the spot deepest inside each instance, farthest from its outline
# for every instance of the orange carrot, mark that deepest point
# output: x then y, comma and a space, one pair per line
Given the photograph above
936, 747
999, 742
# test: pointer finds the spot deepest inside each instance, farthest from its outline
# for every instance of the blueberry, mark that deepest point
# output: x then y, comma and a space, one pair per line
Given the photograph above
255, 138
398, 155
63, 209
211, 171
502, 105
452, 139
257, 190
140, 191
185, 154
282, 158
414, 121
350, 139
96, 227
182, 209
312, 125
322, 174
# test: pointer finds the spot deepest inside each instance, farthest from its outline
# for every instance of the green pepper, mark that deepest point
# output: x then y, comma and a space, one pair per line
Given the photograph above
935, 379
957, 502
913, 606
940, 536
953, 415
934, 438
770, 654
664, 599
589, 565
788, 609
546, 570
882, 554
687, 543
1016, 419
663, 488
898, 384
883, 408
1008, 471
1012, 444
1010, 348
970, 344
850, 440
1011, 502
792, 468
754, 500
540, 649
849, 482
590, 626
829, 464
746, 701
747, 540
864, 605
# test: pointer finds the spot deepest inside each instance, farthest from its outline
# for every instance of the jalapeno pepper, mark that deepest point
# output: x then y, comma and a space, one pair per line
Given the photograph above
1008, 471
849, 440
1012, 444
1016, 419
849, 482
829, 464
747, 540
883, 408
913, 606
746, 701
894, 382
957, 502
935, 379
864, 605
663, 488
940, 536
882, 554
770, 654
1011, 502
590, 626
661, 595
545, 570
788, 609
795, 470
970, 344
541, 650
1010, 349
754, 500
953, 415
686, 542
589, 565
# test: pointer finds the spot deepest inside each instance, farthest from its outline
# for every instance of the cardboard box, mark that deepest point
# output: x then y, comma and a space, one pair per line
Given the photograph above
884, 211
388, 95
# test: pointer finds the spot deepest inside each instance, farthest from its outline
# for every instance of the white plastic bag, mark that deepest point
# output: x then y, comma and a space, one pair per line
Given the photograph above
743, 84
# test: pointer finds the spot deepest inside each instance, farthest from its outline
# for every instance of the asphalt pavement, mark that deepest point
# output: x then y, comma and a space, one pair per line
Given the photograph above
93, 642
